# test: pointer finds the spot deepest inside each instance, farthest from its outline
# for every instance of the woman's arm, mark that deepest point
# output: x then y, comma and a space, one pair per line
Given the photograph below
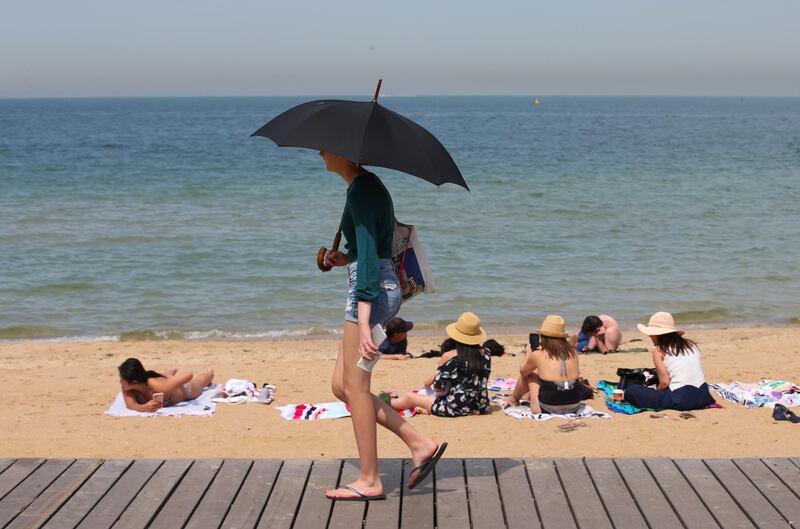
661, 369
130, 402
165, 385
528, 364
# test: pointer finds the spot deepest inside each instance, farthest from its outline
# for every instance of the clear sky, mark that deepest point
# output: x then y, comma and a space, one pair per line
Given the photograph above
292, 47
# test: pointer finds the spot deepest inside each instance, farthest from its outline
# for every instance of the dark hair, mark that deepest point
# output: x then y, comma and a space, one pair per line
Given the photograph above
448, 345
558, 348
674, 344
132, 371
591, 324
470, 358
494, 347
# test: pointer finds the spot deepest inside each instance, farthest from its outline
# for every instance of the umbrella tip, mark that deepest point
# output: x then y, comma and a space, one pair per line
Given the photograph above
377, 91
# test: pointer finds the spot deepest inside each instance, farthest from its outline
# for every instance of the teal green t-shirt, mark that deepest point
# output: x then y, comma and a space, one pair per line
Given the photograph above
368, 226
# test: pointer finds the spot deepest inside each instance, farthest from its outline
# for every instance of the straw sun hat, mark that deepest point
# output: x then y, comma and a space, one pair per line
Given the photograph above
466, 329
660, 323
553, 326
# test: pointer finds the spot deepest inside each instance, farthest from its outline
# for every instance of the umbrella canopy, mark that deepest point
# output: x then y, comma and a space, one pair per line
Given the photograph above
367, 133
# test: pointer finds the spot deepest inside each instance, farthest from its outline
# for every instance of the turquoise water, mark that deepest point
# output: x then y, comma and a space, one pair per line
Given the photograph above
162, 217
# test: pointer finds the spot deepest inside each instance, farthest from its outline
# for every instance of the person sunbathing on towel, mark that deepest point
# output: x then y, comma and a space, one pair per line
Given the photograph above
139, 386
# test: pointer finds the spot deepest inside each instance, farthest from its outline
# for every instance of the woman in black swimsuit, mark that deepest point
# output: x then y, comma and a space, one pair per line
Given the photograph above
549, 374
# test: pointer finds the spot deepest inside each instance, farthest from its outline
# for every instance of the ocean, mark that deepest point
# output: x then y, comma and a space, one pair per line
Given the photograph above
139, 218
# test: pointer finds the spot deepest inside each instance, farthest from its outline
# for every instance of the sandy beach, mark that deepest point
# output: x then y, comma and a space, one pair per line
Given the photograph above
55, 403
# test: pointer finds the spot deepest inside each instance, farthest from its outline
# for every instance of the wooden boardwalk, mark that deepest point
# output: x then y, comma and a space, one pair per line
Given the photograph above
466, 493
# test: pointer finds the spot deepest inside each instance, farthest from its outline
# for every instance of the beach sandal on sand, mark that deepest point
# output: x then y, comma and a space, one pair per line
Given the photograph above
359, 496
782, 413
426, 467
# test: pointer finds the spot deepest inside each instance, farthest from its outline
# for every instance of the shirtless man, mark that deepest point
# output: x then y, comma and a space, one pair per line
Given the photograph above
599, 333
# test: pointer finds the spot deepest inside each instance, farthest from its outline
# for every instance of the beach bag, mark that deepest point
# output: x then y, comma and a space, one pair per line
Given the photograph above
410, 262
644, 376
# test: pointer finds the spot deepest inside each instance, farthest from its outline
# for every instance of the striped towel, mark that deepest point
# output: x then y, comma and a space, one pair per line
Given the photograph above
322, 410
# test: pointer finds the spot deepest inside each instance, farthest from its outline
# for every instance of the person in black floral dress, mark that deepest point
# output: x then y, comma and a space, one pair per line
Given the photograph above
460, 383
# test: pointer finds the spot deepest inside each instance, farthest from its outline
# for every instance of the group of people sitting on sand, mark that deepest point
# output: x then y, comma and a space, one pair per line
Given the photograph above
549, 373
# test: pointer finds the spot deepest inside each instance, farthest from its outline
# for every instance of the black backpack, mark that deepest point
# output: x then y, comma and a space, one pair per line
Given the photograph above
644, 376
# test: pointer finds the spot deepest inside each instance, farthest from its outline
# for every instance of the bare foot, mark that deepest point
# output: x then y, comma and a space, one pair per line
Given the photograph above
368, 490
424, 451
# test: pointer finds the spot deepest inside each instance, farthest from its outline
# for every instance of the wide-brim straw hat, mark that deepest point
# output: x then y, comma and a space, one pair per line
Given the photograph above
553, 326
660, 323
466, 329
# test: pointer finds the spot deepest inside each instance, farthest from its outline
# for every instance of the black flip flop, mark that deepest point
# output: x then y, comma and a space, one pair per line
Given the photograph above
360, 495
782, 413
426, 467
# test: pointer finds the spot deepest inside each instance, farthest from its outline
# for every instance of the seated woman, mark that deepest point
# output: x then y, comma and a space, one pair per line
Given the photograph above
681, 384
139, 386
599, 333
460, 382
549, 374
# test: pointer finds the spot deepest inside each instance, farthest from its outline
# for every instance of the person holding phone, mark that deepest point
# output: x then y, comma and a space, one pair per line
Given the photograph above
147, 391
373, 298
549, 373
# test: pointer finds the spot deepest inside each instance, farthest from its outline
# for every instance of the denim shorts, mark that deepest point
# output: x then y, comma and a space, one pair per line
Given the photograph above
386, 306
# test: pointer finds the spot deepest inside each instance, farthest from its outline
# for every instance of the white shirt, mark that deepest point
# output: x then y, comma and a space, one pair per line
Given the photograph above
684, 369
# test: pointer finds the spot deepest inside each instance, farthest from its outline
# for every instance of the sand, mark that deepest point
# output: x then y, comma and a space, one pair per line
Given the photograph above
56, 395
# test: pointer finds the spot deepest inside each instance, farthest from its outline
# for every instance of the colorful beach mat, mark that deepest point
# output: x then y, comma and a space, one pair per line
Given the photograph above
322, 410
502, 384
766, 393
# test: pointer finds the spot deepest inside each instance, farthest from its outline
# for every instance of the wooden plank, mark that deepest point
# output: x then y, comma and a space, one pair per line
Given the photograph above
383, 514
247, 507
16, 473
286, 494
554, 511
684, 500
619, 503
649, 497
180, 505
56, 495
788, 473
718, 501
776, 492
452, 508
109, 509
752, 502
26, 492
515, 493
583, 498
150, 498
5, 462
416, 510
347, 514
74, 510
485, 508
315, 509
220, 495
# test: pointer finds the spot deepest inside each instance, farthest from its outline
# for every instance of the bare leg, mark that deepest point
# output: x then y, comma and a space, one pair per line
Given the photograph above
414, 400
352, 384
198, 382
613, 338
533, 387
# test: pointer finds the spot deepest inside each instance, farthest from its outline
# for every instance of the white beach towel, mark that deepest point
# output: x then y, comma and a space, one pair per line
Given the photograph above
202, 405
523, 411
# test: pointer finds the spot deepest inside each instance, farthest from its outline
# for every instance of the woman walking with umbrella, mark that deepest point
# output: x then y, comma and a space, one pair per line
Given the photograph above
373, 298
349, 135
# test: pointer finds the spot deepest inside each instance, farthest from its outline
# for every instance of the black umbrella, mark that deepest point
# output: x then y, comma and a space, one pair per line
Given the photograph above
367, 133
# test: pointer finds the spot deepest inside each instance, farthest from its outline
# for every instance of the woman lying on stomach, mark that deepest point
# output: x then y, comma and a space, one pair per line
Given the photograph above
140, 386
681, 384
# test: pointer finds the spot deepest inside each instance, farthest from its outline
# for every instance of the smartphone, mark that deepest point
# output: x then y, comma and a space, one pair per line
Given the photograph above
533, 339
378, 337
159, 397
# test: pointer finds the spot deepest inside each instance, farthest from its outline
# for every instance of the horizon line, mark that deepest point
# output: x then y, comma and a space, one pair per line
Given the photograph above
532, 95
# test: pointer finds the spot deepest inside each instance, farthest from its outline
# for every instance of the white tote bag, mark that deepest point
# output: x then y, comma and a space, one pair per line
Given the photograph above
410, 262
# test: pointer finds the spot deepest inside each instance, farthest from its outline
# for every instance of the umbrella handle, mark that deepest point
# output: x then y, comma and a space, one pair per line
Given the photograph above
322, 251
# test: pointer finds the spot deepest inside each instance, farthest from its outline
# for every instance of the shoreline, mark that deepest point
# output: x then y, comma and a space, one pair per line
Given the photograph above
420, 329
56, 407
